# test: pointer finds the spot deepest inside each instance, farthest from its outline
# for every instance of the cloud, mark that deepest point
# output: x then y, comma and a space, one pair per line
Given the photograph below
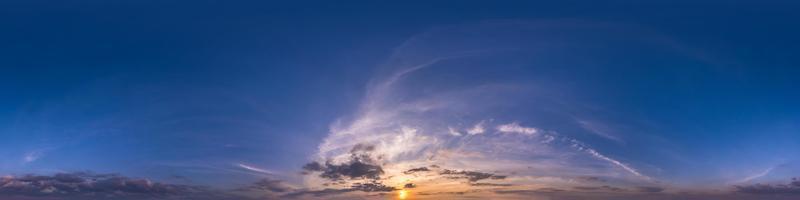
590, 179
80, 185
615, 162
599, 129
599, 188
415, 170
353, 170
34, 155
530, 191
255, 169
758, 175
453, 131
649, 189
270, 185
514, 127
472, 176
477, 129
360, 166
490, 184
317, 193
456, 97
793, 187
363, 187
372, 187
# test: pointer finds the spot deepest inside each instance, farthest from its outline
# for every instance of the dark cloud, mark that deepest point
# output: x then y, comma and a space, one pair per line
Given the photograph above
530, 192
590, 179
472, 176
354, 170
490, 184
317, 193
549, 190
82, 185
363, 187
793, 187
448, 193
360, 148
599, 188
757, 192
372, 187
410, 185
360, 166
415, 170
649, 189
606, 188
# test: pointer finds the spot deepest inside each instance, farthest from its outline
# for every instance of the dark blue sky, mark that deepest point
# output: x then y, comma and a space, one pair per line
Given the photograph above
224, 93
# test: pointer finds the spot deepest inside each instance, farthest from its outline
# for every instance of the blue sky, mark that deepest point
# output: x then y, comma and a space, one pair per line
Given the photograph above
508, 100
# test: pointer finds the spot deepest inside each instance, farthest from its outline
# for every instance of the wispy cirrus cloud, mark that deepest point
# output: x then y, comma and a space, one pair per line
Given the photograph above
791, 188
254, 169
32, 156
478, 129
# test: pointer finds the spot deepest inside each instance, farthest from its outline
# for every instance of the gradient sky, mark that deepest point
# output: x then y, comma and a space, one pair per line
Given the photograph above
368, 100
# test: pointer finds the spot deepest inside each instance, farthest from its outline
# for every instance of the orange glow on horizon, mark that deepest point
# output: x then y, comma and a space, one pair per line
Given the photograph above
402, 194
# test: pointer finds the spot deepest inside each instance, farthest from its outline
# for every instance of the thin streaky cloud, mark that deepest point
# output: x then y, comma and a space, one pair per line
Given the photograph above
253, 168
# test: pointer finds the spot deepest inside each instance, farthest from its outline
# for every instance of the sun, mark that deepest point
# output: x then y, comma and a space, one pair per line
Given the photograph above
402, 194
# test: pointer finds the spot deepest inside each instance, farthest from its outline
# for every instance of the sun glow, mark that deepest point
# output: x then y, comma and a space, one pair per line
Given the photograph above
402, 194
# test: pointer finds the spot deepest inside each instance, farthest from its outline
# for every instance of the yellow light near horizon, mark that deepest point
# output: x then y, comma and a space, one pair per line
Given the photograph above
402, 194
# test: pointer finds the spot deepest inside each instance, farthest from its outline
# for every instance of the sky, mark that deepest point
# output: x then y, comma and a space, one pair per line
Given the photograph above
399, 100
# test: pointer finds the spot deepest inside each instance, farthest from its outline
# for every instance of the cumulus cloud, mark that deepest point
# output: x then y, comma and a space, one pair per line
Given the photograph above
352, 170
360, 166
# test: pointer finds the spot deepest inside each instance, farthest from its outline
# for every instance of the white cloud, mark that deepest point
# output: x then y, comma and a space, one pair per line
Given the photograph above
419, 125
548, 139
599, 129
516, 128
757, 175
453, 131
615, 162
477, 129
255, 169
